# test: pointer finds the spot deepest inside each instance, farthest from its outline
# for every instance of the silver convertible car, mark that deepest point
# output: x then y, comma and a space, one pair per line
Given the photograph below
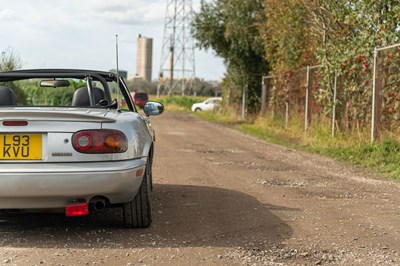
66, 143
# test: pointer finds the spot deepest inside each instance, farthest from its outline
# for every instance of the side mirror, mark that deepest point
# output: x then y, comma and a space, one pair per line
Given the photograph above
153, 108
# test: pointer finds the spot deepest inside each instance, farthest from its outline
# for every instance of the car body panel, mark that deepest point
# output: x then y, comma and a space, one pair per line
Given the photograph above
58, 114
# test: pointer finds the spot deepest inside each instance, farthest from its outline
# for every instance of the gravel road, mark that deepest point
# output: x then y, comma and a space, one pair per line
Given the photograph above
224, 198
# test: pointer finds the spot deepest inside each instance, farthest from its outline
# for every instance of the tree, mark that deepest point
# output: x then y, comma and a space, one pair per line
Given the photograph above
349, 31
338, 35
231, 29
10, 60
142, 85
206, 88
288, 40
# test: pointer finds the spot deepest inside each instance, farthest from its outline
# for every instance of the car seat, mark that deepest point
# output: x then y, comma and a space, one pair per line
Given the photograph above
7, 97
81, 96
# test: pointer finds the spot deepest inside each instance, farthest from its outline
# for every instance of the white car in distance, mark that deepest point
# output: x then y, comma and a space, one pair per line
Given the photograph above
208, 105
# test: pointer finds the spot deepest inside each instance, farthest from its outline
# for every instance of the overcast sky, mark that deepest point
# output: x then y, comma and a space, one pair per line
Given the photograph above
81, 34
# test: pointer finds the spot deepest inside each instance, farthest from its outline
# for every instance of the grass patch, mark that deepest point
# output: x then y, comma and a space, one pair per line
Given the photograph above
383, 156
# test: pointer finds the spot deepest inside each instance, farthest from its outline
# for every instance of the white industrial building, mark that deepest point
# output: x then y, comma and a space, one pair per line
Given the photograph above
144, 57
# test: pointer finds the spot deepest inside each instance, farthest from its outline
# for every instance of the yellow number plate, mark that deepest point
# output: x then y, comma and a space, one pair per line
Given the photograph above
20, 146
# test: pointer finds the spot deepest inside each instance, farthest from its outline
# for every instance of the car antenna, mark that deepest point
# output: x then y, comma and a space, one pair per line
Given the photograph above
116, 51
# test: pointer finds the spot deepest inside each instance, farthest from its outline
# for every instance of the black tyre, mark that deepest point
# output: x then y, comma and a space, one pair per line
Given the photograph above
197, 110
137, 213
151, 170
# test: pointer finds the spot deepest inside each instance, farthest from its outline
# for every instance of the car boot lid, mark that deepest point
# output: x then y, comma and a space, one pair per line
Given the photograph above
58, 114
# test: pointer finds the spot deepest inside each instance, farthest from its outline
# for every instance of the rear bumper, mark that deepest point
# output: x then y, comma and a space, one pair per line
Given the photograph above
54, 185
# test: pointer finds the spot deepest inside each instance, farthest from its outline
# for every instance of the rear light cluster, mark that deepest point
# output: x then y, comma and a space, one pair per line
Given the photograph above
100, 141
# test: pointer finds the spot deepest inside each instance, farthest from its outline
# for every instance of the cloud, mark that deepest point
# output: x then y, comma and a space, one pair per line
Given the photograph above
76, 12
81, 33
7, 14
125, 11
114, 5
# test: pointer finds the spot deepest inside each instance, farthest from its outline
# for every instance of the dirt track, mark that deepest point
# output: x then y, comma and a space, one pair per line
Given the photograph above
224, 198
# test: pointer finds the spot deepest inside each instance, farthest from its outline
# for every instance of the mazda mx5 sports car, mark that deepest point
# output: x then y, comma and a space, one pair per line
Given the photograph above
67, 143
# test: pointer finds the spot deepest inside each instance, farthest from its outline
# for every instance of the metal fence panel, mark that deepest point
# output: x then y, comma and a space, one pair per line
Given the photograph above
387, 91
348, 101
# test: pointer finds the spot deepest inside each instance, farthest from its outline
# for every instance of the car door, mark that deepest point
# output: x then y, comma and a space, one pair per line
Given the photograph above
209, 105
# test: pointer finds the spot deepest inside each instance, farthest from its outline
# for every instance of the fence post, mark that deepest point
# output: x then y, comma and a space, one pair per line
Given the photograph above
287, 108
307, 96
275, 101
287, 115
334, 104
374, 119
158, 90
263, 96
244, 102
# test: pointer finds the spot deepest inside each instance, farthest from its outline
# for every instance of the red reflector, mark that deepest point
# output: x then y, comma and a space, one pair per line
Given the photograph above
79, 209
15, 123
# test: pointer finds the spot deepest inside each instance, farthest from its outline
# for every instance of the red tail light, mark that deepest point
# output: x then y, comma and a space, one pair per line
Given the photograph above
100, 141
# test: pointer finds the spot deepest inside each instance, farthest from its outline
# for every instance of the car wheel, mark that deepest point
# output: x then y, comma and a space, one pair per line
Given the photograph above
197, 110
137, 213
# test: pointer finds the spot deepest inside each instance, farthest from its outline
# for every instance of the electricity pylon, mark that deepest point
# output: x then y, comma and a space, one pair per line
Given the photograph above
177, 67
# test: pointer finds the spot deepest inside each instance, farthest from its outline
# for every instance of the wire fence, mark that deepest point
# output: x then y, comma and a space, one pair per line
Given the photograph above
386, 91
359, 98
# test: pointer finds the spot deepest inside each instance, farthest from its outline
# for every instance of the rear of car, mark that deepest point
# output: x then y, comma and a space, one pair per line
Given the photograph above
68, 156
140, 98
82, 154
